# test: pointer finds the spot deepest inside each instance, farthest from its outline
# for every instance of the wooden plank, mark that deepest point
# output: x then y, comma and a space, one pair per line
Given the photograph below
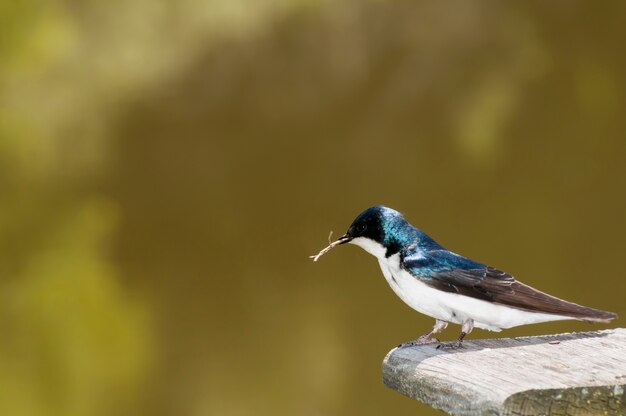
567, 374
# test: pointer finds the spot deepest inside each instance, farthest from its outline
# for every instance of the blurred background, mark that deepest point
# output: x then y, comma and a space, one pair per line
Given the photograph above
167, 167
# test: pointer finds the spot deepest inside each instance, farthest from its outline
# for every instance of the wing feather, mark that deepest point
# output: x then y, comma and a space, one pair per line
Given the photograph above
493, 285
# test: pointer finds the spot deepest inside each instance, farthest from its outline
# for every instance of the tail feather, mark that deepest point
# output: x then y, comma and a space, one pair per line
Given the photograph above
525, 297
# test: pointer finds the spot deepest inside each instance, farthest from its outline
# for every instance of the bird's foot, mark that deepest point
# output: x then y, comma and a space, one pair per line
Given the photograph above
454, 345
423, 340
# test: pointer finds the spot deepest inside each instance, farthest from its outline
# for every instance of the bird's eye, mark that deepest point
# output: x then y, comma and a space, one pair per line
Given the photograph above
361, 227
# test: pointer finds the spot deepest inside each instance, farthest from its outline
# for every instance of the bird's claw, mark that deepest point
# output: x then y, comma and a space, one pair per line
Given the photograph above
423, 340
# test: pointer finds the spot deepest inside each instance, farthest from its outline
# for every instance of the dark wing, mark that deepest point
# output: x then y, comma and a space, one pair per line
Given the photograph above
449, 272
481, 283
493, 285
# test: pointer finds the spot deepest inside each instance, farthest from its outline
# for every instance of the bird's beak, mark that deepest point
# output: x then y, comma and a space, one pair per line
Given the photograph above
343, 239
346, 238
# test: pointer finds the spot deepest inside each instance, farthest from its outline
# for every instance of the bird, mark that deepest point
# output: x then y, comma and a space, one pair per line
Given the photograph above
449, 287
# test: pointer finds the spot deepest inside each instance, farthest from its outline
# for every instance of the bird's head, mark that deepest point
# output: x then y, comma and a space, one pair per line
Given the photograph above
376, 230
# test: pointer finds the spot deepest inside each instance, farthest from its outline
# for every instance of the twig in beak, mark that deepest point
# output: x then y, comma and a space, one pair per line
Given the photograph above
330, 246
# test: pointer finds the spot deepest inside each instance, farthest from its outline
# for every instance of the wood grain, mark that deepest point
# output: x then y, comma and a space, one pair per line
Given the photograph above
567, 374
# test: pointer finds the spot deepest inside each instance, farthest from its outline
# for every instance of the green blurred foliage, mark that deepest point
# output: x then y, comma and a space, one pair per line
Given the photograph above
75, 343
166, 168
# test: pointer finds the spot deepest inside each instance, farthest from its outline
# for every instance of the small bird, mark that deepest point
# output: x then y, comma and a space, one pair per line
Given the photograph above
449, 287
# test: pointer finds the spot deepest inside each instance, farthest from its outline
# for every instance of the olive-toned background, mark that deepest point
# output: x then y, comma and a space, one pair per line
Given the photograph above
167, 167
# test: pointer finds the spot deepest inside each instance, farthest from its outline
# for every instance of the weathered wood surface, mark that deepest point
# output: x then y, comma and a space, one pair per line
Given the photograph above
567, 374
